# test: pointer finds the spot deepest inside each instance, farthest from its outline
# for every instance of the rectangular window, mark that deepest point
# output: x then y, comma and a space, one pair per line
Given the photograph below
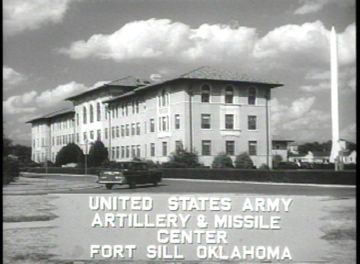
127, 151
137, 128
133, 129
117, 152
205, 93
113, 153
164, 148
98, 134
230, 147
206, 147
178, 145
127, 130
229, 121
205, 121
152, 149
177, 121
133, 151
164, 123
122, 152
91, 134
229, 95
113, 132
122, 130
251, 95
252, 148
77, 137
117, 131
252, 122
152, 125
106, 133
85, 136
138, 151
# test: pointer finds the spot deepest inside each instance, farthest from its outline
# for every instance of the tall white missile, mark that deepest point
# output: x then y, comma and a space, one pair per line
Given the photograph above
334, 98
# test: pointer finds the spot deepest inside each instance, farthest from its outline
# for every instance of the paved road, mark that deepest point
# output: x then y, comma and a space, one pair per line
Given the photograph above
198, 186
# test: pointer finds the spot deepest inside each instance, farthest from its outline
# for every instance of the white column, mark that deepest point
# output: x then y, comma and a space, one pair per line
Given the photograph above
334, 97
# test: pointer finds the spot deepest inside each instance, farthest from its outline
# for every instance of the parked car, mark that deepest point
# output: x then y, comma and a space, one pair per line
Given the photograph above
131, 173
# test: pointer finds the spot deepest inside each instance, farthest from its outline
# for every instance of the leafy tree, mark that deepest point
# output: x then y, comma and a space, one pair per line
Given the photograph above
7, 146
276, 159
243, 161
222, 160
264, 167
98, 154
71, 153
183, 159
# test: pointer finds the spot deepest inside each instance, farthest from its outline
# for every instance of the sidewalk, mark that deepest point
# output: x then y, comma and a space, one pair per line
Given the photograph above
32, 185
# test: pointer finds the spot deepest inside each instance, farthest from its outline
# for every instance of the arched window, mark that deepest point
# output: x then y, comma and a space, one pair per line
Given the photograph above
229, 95
205, 93
84, 115
98, 112
251, 95
91, 113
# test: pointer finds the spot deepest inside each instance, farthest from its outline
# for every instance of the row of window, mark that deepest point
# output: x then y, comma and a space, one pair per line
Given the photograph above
229, 94
39, 142
229, 148
229, 121
132, 151
63, 140
63, 124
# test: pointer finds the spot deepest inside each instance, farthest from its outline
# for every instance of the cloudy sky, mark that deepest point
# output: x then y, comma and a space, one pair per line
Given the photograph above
56, 48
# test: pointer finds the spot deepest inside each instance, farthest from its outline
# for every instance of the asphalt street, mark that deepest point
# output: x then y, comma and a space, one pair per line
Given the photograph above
203, 186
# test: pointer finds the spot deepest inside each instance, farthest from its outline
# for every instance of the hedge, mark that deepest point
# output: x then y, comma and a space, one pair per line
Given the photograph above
10, 170
347, 177
62, 170
286, 176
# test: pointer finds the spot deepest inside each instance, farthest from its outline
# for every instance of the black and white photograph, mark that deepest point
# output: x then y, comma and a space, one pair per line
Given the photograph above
179, 131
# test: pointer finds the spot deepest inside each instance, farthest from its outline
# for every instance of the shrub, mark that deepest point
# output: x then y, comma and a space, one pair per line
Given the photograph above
182, 159
10, 170
97, 154
264, 167
243, 161
276, 159
71, 153
222, 160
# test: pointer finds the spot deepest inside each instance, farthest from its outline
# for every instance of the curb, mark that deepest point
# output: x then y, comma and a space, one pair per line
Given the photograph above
265, 183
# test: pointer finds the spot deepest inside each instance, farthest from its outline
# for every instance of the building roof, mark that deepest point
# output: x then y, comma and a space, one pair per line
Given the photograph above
211, 73
128, 81
279, 138
206, 73
52, 115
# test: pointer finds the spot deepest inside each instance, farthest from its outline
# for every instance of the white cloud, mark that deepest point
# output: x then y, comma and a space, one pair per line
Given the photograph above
320, 80
349, 132
305, 45
12, 77
164, 39
32, 101
299, 119
313, 6
20, 15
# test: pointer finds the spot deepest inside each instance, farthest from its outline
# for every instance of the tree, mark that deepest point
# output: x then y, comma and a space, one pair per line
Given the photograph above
222, 160
243, 161
276, 159
183, 159
98, 154
71, 153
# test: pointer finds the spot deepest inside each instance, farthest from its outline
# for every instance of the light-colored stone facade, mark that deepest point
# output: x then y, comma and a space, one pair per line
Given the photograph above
151, 121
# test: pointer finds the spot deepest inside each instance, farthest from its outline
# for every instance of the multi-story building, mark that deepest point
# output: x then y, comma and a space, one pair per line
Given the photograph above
206, 110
